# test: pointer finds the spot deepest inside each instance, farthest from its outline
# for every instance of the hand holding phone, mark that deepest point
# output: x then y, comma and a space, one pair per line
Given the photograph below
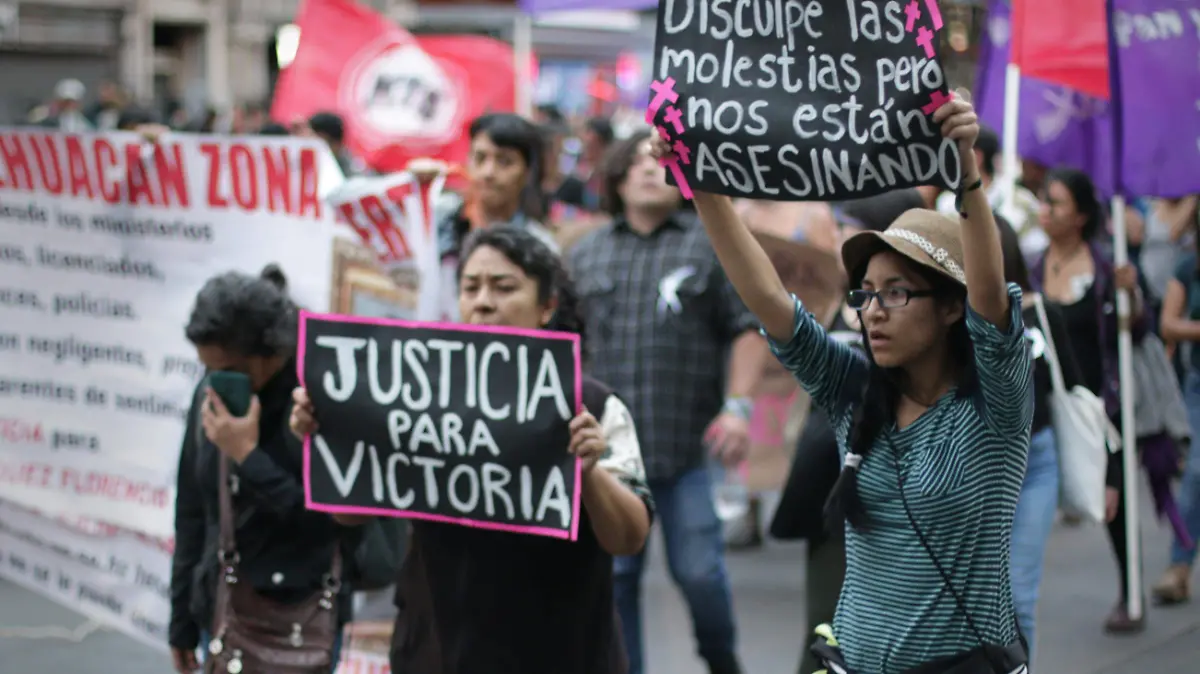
234, 390
230, 414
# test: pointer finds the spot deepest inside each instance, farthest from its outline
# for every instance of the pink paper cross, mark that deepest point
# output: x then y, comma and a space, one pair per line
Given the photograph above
674, 117
912, 12
682, 151
664, 92
925, 39
680, 180
936, 100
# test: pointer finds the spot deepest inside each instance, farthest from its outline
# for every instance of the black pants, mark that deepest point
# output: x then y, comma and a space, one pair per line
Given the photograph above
1118, 532
823, 585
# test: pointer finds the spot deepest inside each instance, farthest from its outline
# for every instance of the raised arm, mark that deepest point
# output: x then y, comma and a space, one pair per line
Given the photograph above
747, 265
983, 258
1176, 326
822, 365
1002, 357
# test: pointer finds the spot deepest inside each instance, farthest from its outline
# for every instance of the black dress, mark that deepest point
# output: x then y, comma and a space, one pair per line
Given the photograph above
473, 601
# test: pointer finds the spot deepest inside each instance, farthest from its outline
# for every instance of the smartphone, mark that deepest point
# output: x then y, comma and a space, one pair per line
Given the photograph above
234, 390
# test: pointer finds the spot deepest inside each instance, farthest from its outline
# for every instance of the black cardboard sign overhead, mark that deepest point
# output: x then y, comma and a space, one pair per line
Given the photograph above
451, 423
801, 100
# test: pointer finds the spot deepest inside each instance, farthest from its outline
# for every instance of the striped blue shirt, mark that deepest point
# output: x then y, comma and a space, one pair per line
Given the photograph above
963, 462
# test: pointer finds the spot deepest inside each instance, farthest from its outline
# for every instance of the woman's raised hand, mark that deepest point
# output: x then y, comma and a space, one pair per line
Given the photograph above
426, 168
302, 422
959, 122
659, 148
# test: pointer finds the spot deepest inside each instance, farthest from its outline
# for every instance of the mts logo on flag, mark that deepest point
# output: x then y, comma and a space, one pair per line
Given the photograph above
402, 96
400, 91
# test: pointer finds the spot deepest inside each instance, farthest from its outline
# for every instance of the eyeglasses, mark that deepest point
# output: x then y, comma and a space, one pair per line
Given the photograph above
889, 298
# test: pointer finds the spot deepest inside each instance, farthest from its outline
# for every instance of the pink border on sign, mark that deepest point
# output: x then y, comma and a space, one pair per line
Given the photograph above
390, 512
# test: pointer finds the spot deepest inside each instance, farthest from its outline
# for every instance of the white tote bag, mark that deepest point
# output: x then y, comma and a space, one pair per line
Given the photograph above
1084, 435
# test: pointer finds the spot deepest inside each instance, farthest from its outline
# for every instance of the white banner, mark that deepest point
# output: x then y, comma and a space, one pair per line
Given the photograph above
104, 241
394, 217
122, 579
114, 576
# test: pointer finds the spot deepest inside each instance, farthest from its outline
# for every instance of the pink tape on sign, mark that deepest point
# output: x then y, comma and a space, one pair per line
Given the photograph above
671, 163
674, 117
664, 92
682, 151
936, 100
680, 180
935, 14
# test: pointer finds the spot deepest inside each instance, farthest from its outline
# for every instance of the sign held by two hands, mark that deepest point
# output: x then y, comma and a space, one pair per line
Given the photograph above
450, 423
801, 100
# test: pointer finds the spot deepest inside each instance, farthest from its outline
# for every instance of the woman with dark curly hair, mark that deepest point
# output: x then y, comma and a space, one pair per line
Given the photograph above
472, 600
247, 325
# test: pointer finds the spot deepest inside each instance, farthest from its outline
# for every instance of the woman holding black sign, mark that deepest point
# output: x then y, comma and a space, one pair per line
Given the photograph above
932, 422
474, 600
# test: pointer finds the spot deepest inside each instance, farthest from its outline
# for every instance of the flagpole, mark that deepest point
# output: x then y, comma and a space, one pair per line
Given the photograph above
1012, 166
523, 62
1133, 538
1133, 531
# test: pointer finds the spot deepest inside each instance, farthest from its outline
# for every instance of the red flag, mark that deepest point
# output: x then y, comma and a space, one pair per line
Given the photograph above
401, 96
1063, 42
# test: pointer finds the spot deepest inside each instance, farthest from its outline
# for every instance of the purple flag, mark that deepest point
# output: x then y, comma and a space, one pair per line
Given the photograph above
1154, 53
1057, 126
539, 6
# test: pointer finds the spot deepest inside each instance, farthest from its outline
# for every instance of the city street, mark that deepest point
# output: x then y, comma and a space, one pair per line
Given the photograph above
1079, 591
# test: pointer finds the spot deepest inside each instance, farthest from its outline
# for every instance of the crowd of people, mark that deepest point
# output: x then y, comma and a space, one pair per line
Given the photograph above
926, 478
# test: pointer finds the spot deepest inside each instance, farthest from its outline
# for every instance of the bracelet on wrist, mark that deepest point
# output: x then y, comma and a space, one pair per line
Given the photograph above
741, 407
963, 189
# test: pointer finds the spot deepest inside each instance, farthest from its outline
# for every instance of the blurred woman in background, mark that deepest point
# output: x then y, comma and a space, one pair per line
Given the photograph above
1038, 503
1078, 274
1180, 325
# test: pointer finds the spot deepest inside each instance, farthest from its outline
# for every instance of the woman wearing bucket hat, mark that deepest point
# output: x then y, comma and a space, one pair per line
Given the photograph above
932, 421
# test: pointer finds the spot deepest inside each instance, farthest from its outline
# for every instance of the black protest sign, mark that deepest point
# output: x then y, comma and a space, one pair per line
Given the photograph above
801, 100
451, 423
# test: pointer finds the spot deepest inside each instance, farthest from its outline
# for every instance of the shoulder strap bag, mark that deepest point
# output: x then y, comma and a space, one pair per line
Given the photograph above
256, 635
1082, 433
987, 658
984, 659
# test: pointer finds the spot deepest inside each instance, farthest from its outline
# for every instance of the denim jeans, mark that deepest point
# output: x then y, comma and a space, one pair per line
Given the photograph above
1189, 486
1036, 508
336, 659
696, 559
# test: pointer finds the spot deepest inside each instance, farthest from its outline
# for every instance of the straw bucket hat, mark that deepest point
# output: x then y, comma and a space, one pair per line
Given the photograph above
926, 237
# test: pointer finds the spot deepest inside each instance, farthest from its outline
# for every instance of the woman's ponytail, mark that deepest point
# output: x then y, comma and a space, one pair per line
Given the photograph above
874, 408
273, 274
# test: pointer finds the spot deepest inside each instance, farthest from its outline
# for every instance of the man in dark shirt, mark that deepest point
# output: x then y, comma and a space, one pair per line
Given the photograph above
329, 127
662, 319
